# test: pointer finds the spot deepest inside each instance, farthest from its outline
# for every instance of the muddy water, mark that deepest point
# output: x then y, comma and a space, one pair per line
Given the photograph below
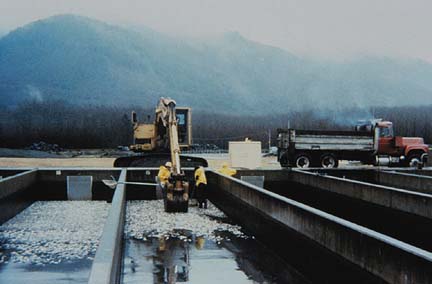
201, 246
192, 259
66, 272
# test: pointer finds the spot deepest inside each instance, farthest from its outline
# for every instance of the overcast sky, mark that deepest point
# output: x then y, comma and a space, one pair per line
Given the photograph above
330, 29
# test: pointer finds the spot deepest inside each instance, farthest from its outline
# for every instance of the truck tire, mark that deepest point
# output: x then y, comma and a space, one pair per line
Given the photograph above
302, 160
329, 161
284, 161
413, 160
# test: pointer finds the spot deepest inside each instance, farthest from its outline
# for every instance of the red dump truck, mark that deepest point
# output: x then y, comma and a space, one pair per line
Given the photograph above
371, 142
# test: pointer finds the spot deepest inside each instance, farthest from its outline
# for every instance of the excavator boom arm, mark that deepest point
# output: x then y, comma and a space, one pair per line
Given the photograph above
167, 113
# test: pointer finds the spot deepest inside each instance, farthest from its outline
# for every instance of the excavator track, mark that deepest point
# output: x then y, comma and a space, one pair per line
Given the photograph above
157, 159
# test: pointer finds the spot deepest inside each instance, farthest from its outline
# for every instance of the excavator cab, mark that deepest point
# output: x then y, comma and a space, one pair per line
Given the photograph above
152, 136
184, 126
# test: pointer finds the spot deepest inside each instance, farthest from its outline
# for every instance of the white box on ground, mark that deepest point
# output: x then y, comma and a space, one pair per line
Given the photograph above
245, 154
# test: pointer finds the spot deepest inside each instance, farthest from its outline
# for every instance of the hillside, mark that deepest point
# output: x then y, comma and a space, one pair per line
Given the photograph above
84, 61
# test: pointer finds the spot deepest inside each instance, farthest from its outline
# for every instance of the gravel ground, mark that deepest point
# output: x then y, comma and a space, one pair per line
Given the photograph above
50, 232
145, 219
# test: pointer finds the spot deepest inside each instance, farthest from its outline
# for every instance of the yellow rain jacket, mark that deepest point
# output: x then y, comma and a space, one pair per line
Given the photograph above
225, 170
200, 176
163, 174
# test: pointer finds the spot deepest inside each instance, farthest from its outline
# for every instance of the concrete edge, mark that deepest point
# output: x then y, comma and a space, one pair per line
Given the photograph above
10, 184
407, 174
360, 229
419, 194
12, 189
409, 201
25, 171
106, 267
390, 259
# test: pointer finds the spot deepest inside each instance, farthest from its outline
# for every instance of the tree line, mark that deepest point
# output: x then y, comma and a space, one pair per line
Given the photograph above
91, 126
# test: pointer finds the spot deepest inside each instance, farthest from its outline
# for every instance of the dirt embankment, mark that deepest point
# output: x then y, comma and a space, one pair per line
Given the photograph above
67, 158
56, 162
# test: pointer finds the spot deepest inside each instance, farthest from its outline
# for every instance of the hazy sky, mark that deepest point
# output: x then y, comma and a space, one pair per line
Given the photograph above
323, 28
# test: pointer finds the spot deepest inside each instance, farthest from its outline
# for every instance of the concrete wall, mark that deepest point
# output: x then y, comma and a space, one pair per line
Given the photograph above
106, 268
423, 172
13, 197
6, 172
389, 259
408, 181
60, 174
269, 175
52, 182
395, 198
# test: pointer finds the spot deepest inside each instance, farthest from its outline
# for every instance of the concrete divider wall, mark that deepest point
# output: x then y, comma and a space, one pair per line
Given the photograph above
423, 172
106, 268
398, 199
409, 181
12, 193
52, 182
385, 257
6, 172
59, 174
270, 175
363, 174
16, 183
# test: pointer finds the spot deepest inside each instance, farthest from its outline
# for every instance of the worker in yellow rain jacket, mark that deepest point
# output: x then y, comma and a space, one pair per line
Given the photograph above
201, 187
164, 173
225, 170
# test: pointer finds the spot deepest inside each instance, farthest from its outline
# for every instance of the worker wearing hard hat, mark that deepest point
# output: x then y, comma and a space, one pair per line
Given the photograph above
225, 170
164, 173
201, 187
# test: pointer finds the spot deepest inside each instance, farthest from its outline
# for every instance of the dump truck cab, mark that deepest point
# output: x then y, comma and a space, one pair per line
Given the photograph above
386, 139
410, 150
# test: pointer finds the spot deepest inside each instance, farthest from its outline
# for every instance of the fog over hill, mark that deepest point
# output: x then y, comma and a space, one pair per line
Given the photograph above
85, 61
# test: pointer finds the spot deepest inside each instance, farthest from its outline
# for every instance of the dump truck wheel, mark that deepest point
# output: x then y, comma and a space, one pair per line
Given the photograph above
284, 161
413, 160
329, 161
302, 160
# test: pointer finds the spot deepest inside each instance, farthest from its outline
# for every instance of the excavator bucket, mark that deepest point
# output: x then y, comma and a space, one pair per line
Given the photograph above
176, 204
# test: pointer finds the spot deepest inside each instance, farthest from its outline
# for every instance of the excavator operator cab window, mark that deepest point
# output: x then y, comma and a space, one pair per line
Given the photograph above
181, 119
182, 125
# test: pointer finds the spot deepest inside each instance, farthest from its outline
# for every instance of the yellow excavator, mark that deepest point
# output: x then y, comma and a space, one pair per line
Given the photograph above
161, 141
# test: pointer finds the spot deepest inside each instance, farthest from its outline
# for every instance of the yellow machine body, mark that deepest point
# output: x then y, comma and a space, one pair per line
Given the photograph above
150, 137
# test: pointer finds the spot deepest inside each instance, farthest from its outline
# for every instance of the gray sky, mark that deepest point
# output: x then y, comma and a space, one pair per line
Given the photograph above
333, 29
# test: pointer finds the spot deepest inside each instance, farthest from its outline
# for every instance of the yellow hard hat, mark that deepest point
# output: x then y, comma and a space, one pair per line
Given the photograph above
168, 164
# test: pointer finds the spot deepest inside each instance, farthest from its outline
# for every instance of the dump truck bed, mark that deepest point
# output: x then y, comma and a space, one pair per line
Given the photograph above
305, 148
327, 140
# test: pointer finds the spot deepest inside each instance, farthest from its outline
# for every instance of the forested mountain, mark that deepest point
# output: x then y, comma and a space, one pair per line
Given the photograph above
85, 61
